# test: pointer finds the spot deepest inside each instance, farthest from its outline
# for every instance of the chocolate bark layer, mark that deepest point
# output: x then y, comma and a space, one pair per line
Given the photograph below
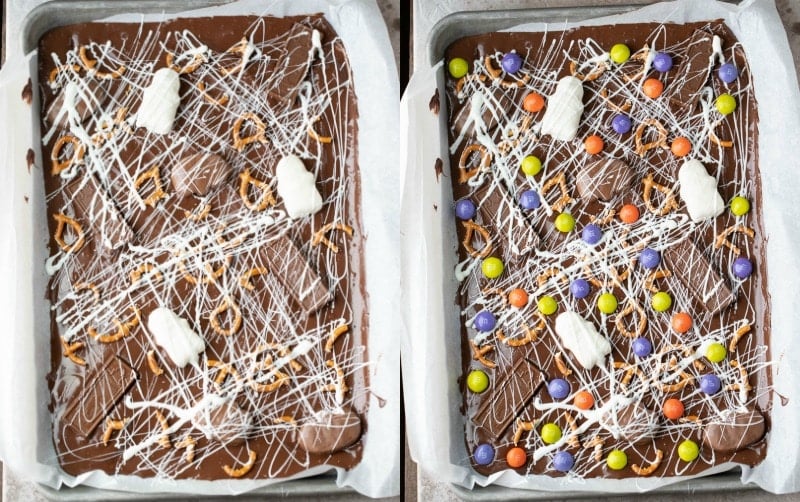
691, 261
268, 319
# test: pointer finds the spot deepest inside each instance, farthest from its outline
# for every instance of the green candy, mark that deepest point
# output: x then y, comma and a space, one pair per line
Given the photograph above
565, 223
607, 303
551, 433
725, 104
662, 301
740, 206
477, 381
620, 53
617, 460
716, 353
547, 305
492, 267
531, 165
688, 450
458, 67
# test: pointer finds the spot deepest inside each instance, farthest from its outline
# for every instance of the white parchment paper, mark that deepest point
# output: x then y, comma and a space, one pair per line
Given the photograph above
431, 352
25, 437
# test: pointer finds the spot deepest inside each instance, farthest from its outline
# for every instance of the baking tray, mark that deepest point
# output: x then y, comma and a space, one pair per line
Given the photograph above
466, 23
62, 12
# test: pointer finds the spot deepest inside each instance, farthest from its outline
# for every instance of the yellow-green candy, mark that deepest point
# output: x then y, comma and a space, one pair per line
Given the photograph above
688, 450
531, 165
620, 53
716, 352
492, 267
607, 303
662, 301
458, 67
617, 460
551, 433
565, 223
725, 104
547, 305
477, 381
740, 206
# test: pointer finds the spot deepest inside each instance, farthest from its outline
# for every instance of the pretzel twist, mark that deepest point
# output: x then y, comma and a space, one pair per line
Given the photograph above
280, 378
154, 174
197, 60
660, 142
244, 469
652, 277
479, 354
723, 240
57, 70
145, 268
226, 305
78, 152
593, 75
650, 468
466, 78
264, 201
613, 106
641, 325
222, 101
319, 235
471, 228
465, 173
239, 142
669, 204
90, 65
559, 180
210, 275
244, 280
123, 329
88, 286
239, 49
63, 220
200, 215
496, 74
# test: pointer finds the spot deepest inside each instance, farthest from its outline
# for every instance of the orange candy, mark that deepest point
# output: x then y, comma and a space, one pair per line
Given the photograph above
518, 298
593, 144
533, 102
653, 87
681, 146
681, 322
516, 457
673, 409
629, 213
583, 400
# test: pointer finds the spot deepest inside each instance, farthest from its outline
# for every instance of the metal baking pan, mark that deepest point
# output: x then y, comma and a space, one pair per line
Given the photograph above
467, 23
62, 12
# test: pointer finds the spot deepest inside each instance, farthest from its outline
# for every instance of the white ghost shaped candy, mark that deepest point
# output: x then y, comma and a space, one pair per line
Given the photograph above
564, 110
175, 336
160, 102
296, 187
699, 191
581, 337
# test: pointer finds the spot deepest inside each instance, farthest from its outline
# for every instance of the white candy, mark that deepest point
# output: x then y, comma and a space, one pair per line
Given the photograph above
699, 191
564, 110
296, 187
175, 336
580, 336
160, 102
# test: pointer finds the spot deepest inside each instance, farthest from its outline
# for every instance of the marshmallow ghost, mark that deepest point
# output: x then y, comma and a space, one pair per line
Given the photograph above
564, 110
160, 102
296, 187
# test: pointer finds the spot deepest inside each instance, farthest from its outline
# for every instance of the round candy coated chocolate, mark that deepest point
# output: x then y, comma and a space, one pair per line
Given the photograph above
725, 104
621, 123
531, 165
477, 381
518, 297
593, 144
558, 388
458, 67
710, 384
563, 461
583, 400
547, 305
551, 433
662, 301
483, 454
529, 199
629, 213
607, 303
617, 460
688, 450
485, 321
492, 267
728, 73
662, 62
533, 102
653, 87
642, 347
716, 352
565, 223
591, 234
681, 322
740, 206
742, 267
580, 288
465, 209
650, 258
620, 53
511, 62
681, 146
516, 457
673, 409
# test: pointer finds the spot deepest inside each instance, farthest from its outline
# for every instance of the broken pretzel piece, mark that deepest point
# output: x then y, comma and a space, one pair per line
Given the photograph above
470, 228
592, 75
69, 350
479, 354
319, 235
154, 174
660, 142
164, 439
239, 142
649, 469
78, 152
335, 334
669, 203
244, 469
197, 60
79, 241
521, 427
465, 173
153, 364
224, 306
123, 329
723, 240
314, 135
201, 86
111, 426
559, 180
189, 443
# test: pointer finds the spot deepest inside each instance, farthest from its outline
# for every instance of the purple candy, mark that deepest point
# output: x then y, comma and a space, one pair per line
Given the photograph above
728, 73
742, 268
662, 62
621, 123
650, 258
710, 384
483, 454
642, 347
511, 62
558, 388
591, 234
465, 209
563, 461
580, 288
485, 321
529, 199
